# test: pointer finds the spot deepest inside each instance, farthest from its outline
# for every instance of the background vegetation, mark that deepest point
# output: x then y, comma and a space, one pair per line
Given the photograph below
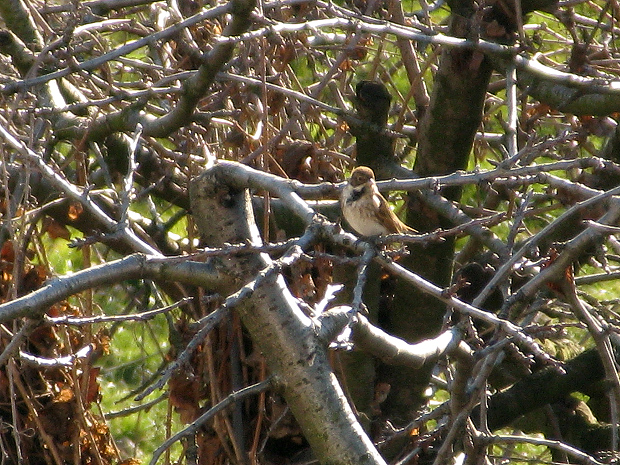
144, 318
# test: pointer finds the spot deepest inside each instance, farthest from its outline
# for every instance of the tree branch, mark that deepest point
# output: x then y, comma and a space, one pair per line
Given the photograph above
71, 191
135, 266
280, 330
193, 428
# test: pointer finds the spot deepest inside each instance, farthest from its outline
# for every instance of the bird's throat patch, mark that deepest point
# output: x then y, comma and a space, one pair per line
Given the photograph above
356, 195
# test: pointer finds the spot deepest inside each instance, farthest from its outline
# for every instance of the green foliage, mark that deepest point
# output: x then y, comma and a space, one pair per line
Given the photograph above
137, 352
244, 121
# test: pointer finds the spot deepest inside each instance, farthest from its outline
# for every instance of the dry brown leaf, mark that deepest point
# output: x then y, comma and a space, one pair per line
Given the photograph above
184, 396
130, 462
65, 395
7, 253
55, 230
93, 393
75, 211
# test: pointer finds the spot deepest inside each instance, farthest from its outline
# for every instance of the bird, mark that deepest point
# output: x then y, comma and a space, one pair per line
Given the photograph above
366, 210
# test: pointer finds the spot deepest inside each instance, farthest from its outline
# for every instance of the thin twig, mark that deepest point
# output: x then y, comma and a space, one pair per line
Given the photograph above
127, 193
143, 316
511, 105
72, 191
193, 428
138, 408
578, 455
94, 63
209, 322
13, 346
362, 268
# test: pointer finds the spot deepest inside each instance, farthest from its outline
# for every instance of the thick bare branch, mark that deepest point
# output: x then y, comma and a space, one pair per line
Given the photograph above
134, 266
281, 331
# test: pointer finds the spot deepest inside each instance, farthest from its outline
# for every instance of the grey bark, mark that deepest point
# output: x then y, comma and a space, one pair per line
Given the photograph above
286, 337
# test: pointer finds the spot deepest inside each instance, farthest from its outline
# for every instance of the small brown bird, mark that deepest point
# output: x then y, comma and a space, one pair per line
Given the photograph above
366, 210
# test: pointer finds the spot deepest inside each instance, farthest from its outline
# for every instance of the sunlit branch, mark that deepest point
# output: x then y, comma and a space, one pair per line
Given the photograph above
241, 249
207, 323
509, 328
533, 241
275, 184
243, 176
380, 28
71, 191
142, 316
578, 455
441, 234
134, 266
395, 351
511, 104
585, 83
97, 5
65, 361
530, 65
94, 63
127, 193
464, 178
569, 254
362, 269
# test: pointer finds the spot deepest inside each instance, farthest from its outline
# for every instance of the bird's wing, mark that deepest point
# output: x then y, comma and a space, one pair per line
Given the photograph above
389, 218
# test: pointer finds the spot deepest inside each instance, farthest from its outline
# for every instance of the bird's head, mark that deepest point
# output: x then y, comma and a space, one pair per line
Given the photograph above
361, 175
